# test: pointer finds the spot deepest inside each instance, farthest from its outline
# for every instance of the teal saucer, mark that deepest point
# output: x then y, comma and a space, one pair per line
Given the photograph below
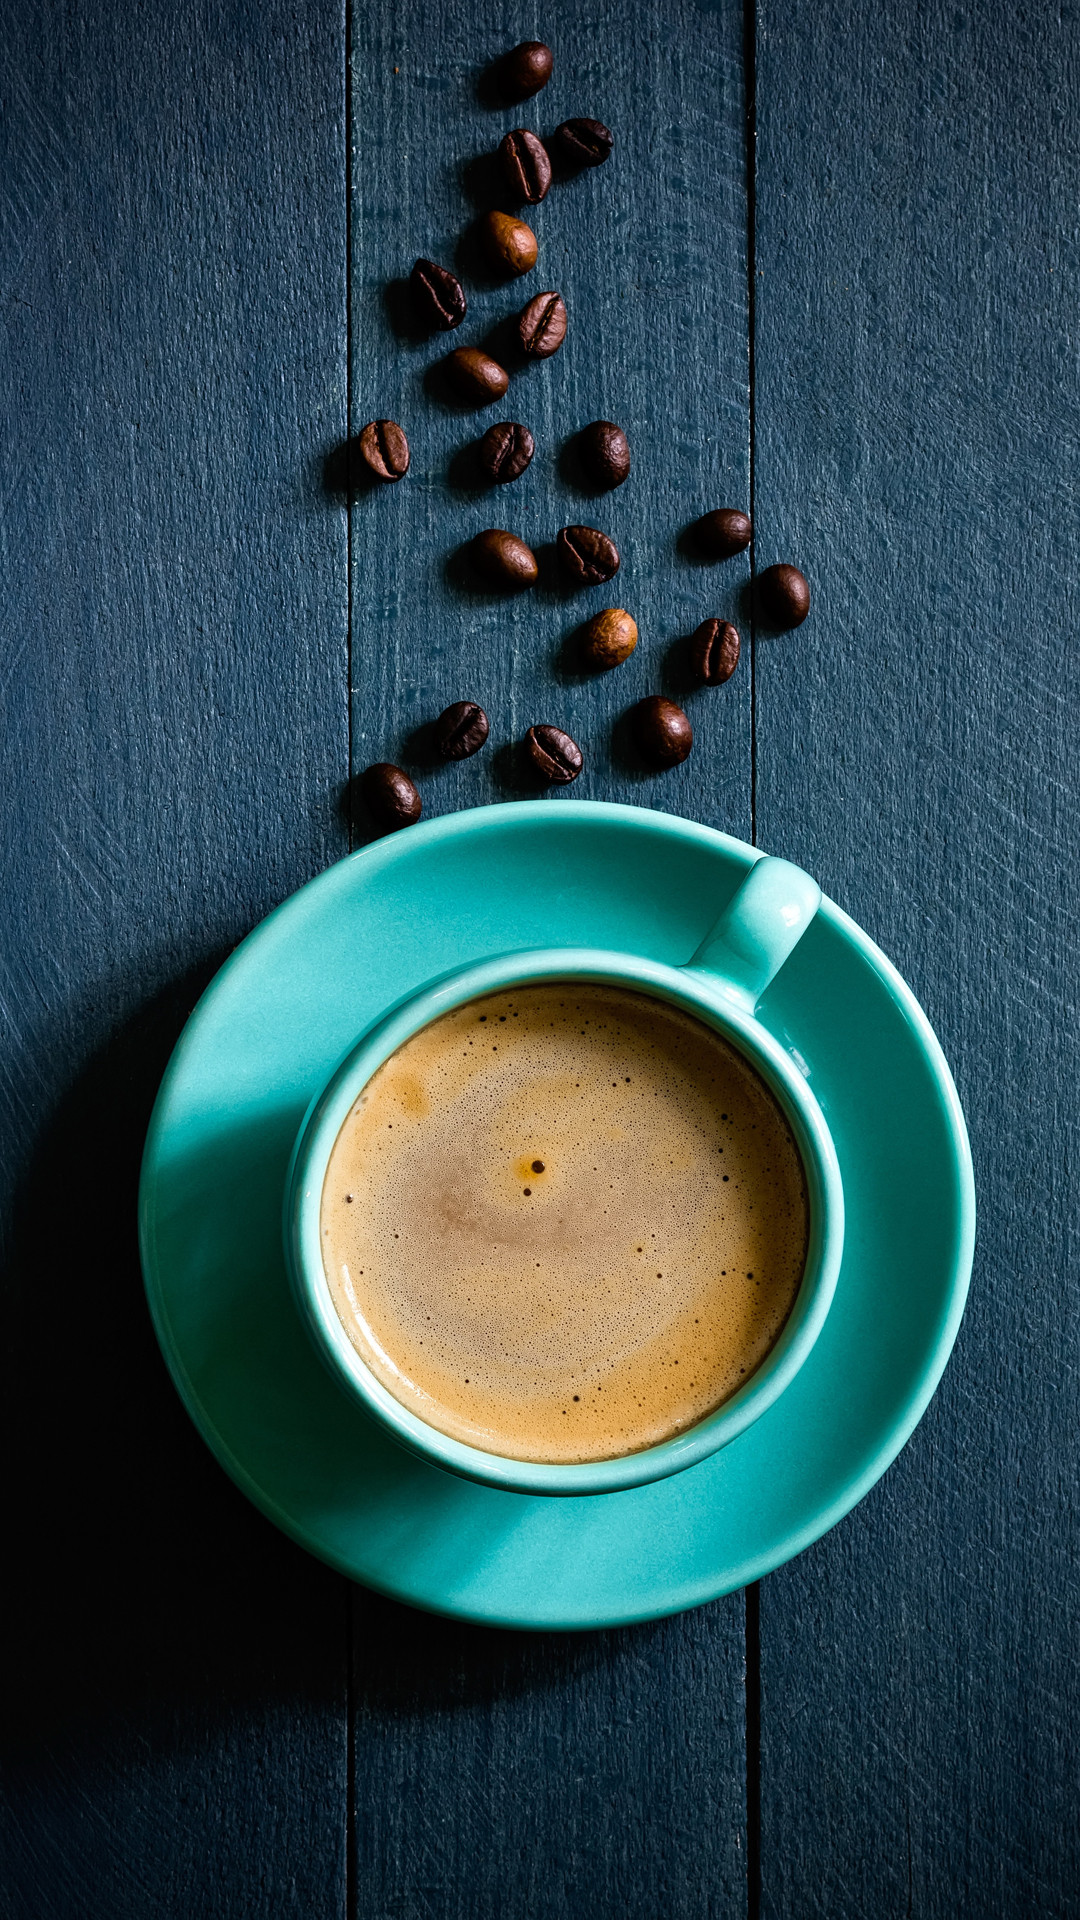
267, 1034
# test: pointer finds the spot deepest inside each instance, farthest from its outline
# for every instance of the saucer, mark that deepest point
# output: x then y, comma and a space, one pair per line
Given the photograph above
267, 1034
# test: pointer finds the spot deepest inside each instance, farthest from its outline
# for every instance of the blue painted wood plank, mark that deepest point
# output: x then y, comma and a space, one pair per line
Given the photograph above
496, 1775
173, 660
916, 451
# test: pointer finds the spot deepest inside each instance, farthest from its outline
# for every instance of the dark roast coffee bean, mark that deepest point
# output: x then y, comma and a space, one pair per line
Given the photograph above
503, 560
587, 555
505, 451
663, 733
714, 652
461, 730
438, 296
525, 69
554, 754
509, 244
477, 377
390, 796
525, 165
582, 143
605, 454
609, 638
542, 326
783, 596
722, 533
384, 449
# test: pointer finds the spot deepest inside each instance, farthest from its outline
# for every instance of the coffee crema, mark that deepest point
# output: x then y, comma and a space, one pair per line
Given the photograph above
564, 1222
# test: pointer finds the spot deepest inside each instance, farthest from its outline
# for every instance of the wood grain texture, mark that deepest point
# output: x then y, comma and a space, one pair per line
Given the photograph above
173, 668
500, 1776
545, 1775
916, 452
649, 252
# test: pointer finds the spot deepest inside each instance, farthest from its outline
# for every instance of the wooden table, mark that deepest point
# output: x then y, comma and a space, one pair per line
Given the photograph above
830, 270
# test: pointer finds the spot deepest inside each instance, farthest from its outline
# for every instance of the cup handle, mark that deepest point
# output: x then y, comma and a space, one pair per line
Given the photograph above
757, 930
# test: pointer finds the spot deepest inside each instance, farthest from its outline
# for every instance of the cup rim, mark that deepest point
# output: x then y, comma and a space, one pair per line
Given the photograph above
697, 992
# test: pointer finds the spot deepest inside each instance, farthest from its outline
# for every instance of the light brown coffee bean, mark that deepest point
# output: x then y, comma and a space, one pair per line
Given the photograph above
526, 168
714, 652
722, 533
783, 596
662, 731
476, 376
609, 638
390, 796
587, 555
384, 449
542, 326
554, 754
509, 244
503, 561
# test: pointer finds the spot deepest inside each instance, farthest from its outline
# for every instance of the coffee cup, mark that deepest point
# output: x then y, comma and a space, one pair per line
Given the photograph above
719, 987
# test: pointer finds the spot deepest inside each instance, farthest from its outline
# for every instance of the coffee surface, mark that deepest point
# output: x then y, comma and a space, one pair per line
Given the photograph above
564, 1222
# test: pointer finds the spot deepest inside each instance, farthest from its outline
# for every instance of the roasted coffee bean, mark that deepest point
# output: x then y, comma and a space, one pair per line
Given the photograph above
554, 754
384, 449
582, 143
609, 638
542, 326
525, 165
438, 296
390, 796
509, 244
505, 451
605, 454
587, 555
477, 377
783, 596
503, 560
722, 533
663, 733
525, 69
714, 652
461, 730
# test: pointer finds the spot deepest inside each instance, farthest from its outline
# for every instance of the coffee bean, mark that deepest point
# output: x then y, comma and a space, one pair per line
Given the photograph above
390, 796
714, 652
461, 730
438, 296
587, 555
509, 244
609, 638
783, 596
505, 451
503, 560
542, 326
384, 449
554, 754
525, 69
582, 143
663, 733
605, 454
525, 165
722, 533
477, 377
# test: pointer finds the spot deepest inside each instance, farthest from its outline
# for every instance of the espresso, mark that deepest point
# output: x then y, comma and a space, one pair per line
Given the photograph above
565, 1222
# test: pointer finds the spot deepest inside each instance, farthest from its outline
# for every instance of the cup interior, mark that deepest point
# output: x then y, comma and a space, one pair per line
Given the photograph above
698, 994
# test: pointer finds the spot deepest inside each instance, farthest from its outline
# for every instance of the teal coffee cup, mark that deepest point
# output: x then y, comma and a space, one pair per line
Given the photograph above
720, 985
